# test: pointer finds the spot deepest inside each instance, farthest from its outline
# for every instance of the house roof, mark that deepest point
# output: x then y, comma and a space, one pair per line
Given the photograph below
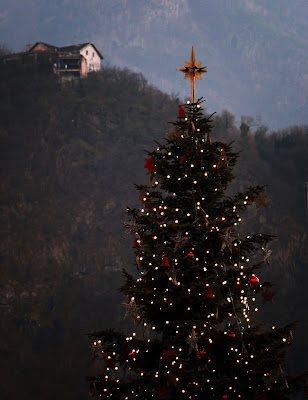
72, 48
49, 46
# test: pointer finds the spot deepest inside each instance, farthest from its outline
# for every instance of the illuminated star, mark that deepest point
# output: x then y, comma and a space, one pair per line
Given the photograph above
192, 70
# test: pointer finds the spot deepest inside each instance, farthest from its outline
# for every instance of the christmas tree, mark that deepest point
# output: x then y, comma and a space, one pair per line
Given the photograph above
198, 280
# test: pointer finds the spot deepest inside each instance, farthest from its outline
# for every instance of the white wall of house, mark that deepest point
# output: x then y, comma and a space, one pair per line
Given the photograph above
93, 60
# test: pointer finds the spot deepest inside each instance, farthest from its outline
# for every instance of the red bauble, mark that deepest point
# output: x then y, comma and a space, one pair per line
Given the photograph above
191, 255
253, 281
136, 244
231, 334
165, 262
208, 140
182, 113
200, 354
149, 163
209, 294
182, 160
225, 397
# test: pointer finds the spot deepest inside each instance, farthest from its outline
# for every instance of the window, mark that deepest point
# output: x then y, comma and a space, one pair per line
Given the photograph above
87, 52
93, 54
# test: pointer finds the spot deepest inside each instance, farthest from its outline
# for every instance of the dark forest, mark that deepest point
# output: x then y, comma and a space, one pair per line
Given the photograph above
70, 155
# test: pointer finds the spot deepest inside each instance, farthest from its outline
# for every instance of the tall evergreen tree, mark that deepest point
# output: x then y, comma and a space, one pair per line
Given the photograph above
194, 299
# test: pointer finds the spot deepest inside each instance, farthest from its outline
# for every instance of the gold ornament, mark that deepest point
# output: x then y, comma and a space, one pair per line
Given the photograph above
223, 160
202, 220
153, 180
193, 70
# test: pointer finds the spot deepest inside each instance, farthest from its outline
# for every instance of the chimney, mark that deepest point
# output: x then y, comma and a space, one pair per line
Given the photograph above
28, 47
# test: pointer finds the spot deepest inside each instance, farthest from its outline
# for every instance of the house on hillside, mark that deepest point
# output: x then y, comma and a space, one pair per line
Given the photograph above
68, 62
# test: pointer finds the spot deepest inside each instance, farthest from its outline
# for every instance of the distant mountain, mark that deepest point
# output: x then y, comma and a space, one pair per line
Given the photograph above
255, 51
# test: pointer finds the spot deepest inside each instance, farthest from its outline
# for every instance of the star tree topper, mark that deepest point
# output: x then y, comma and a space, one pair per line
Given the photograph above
192, 70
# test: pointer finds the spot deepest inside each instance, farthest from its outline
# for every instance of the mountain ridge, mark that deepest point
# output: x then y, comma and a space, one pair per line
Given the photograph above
255, 52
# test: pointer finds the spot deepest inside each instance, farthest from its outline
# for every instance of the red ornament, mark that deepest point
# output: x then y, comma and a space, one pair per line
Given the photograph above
164, 392
208, 139
191, 255
149, 163
182, 160
132, 353
231, 334
225, 397
209, 294
136, 244
253, 281
200, 354
165, 262
182, 113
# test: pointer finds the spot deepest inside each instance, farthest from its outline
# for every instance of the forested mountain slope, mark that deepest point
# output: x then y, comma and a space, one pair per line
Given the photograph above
255, 50
69, 157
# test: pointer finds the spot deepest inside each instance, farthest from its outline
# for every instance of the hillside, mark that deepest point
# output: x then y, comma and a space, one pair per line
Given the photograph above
69, 158
255, 51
